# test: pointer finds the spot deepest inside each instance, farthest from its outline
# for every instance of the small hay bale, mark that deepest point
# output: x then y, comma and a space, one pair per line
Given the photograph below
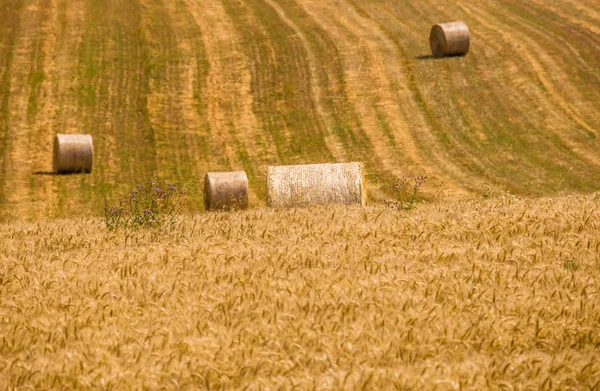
315, 184
449, 39
225, 190
73, 153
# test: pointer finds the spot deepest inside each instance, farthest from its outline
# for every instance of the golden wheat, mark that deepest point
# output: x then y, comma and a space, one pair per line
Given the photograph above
498, 294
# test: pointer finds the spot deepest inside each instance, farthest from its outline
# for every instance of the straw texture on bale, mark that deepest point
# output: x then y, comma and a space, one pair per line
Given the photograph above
449, 39
314, 184
225, 190
73, 153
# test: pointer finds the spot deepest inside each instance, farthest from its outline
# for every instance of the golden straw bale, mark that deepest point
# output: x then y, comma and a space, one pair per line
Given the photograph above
449, 39
314, 184
225, 190
73, 153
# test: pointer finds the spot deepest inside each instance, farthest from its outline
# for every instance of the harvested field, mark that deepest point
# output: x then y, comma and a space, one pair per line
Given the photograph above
499, 294
175, 89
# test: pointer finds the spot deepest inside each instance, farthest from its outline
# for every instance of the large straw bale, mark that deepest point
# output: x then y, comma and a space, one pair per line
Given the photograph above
314, 184
73, 153
449, 39
225, 190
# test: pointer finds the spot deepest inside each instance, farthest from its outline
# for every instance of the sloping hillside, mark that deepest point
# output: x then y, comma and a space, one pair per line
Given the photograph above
176, 88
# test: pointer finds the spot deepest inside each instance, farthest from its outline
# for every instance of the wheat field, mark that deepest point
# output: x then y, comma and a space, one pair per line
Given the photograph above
476, 294
489, 281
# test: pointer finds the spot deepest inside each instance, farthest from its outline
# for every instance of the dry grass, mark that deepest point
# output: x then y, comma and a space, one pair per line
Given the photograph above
73, 153
449, 39
226, 190
499, 294
316, 184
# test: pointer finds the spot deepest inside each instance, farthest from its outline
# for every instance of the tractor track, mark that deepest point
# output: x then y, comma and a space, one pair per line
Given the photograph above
28, 145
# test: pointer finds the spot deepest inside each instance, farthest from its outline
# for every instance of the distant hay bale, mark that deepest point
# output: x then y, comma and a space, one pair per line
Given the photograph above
73, 153
315, 184
225, 190
449, 39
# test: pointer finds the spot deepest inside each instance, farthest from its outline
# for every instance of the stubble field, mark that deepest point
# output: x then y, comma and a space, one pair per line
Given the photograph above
180, 87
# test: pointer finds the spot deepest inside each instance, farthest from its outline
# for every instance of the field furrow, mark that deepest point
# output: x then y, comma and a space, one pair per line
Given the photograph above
343, 133
57, 114
544, 97
589, 11
113, 87
194, 71
178, 69
281, 83
10, 19
315, 83
164, 106
368, 87
29, 141
553, 35
235, 130
551, 73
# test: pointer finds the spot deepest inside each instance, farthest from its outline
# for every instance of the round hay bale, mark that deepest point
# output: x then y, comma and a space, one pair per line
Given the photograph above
73, 153
225, 190
315, 184
449, 39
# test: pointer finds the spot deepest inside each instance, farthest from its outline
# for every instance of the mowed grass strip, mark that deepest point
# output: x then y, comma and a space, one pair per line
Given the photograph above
475, 294
506, 142
471, 136
239, 141
177, 77
280, 83
560, 44
559, 33
25, 143
573, 162
114, 83
345, 135
9, 26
